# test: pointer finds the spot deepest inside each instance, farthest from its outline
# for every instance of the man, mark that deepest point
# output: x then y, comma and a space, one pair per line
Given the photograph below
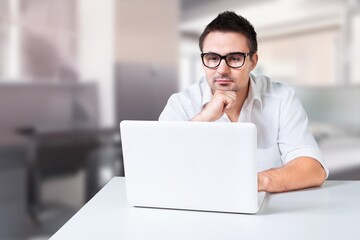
291, 158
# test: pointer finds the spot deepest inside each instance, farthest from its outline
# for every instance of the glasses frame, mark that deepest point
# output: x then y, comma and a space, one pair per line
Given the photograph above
224, 57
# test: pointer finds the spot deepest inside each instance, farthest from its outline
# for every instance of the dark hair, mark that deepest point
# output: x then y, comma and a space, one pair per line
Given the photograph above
231, 22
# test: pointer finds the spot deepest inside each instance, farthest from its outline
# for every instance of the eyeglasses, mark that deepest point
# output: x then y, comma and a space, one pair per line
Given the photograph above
233, 60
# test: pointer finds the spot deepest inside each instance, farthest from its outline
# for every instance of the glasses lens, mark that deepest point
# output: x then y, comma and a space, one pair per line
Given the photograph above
235, 60
211, 60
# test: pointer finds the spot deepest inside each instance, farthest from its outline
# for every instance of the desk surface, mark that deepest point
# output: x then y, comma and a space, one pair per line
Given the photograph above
329, 212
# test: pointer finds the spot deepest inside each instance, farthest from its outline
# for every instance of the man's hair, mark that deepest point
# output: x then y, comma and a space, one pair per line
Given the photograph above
231, 22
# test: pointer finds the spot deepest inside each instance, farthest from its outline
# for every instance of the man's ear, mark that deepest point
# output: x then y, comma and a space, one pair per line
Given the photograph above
254, 60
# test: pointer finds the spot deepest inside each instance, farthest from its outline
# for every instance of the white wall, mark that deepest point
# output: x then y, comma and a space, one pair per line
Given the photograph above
190, 63
96, 51
147, 31
355, 47
10, 68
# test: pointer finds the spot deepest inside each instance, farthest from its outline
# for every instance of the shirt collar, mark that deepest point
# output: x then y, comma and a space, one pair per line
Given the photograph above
254, 93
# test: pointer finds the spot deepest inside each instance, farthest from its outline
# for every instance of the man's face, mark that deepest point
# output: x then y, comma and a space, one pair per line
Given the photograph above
224, 77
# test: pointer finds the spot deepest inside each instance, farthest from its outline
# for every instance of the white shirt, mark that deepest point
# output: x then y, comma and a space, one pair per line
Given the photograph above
280, 119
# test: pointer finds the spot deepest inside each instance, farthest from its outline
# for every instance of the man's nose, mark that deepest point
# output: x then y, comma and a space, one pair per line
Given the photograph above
223, 67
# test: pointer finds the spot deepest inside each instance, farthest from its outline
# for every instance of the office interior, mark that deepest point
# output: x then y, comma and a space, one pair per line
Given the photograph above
71, 70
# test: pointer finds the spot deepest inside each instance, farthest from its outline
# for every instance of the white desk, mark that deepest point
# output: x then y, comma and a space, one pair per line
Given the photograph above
330, 212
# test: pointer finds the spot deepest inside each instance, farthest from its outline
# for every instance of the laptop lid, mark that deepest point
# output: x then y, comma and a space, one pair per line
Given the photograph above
191, 165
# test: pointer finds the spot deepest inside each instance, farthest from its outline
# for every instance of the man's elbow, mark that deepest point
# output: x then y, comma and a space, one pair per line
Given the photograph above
320, 175
314, 171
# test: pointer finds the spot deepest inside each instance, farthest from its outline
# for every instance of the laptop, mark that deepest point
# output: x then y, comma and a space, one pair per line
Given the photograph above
206, 166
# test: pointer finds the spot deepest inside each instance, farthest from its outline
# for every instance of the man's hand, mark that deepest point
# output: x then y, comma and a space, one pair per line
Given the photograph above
220, 102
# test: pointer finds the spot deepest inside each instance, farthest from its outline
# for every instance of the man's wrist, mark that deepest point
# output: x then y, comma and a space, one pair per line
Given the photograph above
201, 117
264, 181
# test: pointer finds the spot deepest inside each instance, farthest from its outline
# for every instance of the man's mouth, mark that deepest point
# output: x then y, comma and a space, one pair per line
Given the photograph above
223, 81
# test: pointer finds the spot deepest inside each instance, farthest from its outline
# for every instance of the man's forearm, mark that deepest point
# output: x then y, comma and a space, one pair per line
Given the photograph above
303, 172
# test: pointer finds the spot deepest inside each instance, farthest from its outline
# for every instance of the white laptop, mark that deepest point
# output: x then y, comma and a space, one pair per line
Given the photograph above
191, 165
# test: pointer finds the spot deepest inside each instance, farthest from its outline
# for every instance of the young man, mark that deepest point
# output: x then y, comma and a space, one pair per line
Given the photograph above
291, 158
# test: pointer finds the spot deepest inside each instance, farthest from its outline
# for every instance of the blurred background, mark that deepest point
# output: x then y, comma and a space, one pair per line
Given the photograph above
71, 70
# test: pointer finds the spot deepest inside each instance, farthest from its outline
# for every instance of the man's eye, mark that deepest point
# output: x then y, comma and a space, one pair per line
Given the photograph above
234, 59
212, 58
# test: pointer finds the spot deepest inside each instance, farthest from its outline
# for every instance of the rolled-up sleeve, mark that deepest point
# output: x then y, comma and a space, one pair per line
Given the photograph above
295, 140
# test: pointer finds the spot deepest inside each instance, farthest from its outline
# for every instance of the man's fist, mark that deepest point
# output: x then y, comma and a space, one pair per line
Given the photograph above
220, 102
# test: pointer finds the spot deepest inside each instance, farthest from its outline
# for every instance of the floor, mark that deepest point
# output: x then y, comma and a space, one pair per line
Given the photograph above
63, 197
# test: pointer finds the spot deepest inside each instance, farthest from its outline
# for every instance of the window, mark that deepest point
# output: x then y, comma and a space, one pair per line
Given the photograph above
38, 40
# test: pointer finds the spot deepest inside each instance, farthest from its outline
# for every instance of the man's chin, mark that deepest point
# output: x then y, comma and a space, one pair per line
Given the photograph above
225, 87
